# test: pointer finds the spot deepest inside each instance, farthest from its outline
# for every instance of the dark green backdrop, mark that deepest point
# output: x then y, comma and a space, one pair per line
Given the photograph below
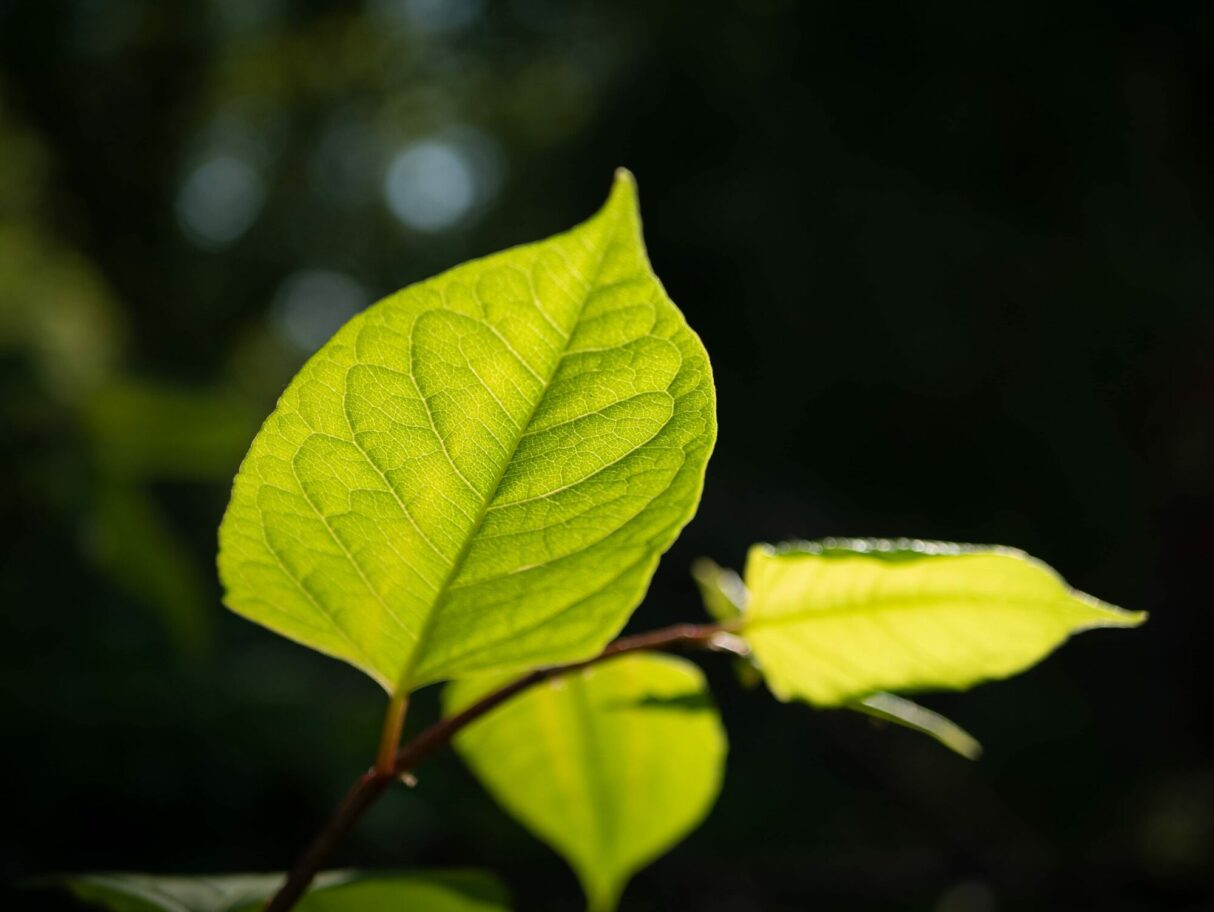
954, 265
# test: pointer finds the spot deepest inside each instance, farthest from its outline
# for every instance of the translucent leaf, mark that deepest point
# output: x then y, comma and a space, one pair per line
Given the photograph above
839, 620
725, 597
481, 471
611, 765
335, 891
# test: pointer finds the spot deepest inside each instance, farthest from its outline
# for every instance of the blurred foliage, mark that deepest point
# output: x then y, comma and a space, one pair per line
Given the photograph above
953, 264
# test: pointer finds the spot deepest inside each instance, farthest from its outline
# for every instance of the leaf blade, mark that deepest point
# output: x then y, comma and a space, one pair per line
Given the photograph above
482, 470
610, 765
837, 621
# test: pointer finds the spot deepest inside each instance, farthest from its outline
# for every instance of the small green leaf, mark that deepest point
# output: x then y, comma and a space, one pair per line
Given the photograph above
481, 471
836, 621
610, 765
334, 891
722, 590
909, 714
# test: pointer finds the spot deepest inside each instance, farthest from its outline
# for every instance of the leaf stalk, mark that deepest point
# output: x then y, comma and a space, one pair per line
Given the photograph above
389, 739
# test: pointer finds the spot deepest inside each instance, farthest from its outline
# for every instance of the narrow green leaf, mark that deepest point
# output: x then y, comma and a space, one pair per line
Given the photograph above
722, 590
839, 620
610, 766
909, 714
334, 891
481, 471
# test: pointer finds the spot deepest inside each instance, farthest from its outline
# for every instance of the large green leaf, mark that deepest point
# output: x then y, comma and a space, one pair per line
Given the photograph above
839, 620
610, 765
481, 471
336, 891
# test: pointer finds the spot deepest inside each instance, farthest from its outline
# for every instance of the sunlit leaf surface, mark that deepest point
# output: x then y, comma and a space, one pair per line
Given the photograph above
610, 766
482, 470
840, 620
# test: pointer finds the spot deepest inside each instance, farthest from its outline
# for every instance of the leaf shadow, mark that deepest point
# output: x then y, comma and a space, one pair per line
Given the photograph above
690, 702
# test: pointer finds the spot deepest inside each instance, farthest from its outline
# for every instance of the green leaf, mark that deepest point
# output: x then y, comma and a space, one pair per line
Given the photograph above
481, 471
891, 708
335, 891
440, 891
836, 621
610, 765
722, 590
725, 596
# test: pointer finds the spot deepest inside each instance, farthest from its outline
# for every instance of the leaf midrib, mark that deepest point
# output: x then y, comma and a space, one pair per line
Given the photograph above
903, 603
457, 563
595, 777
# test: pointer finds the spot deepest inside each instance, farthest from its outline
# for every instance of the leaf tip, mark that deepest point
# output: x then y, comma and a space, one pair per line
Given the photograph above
1109, 615
704, 570
623, 192
1126, 618
624, 177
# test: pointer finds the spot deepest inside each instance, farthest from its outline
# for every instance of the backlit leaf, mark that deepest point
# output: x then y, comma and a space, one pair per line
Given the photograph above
726, 597
610, 765
836, 621
481, 471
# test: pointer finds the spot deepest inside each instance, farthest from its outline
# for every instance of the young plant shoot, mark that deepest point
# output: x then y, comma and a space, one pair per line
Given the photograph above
473, 482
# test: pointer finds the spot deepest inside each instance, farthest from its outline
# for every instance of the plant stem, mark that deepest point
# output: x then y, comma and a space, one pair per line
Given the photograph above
389, 739
417, 750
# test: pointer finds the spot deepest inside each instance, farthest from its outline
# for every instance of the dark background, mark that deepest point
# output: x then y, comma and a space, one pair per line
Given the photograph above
954, 266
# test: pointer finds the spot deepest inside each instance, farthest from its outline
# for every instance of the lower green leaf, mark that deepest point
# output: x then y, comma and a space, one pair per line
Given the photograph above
610, 765
334, 891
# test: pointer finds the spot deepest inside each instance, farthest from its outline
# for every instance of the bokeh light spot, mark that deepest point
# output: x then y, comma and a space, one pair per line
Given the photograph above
435, 183
219, 201
431, 17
